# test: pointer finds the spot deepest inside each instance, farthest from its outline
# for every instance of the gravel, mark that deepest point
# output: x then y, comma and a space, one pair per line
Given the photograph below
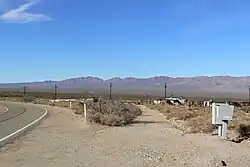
65, 140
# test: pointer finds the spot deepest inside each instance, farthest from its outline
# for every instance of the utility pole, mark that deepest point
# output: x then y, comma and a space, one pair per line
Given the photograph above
24, 90
249, 94
100, 104
110, 91
55, 95
165, 90
24, 93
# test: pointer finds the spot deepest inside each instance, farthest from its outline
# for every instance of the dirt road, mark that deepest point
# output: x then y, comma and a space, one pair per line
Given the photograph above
64, 140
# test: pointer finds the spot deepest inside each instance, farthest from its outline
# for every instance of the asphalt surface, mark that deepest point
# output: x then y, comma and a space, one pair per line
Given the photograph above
17, 117
3, 109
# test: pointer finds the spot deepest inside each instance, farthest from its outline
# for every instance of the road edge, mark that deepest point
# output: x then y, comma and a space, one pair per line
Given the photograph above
23, 130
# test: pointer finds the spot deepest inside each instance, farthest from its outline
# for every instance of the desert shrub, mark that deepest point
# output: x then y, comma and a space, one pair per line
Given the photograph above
62, 104
42, 101
79, 109
95, 100
111, 120
243, 130
131, 108
112, 113
29, 99
246, 109
185, 115
96, 117
181, 113
240, 117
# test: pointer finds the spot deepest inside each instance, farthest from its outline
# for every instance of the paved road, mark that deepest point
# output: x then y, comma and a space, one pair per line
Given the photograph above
16, 117
3, 109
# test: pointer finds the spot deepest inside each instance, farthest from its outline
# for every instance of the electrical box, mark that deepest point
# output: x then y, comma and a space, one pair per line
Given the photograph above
221, 112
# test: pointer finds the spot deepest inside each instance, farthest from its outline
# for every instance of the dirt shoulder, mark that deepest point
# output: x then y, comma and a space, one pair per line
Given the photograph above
66, 140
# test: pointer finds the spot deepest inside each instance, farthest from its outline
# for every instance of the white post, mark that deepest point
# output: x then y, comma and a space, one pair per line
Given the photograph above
70, 104
220, 130
85, 110
224, 129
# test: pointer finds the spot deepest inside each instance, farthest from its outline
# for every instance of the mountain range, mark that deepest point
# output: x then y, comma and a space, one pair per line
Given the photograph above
224, 86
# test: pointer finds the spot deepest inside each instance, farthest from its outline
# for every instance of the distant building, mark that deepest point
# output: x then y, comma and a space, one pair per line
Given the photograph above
171, 100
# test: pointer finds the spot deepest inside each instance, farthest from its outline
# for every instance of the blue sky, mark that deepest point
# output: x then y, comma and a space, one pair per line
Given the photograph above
58, 39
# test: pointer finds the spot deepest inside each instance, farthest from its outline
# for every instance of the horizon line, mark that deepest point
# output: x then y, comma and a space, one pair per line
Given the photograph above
110, 78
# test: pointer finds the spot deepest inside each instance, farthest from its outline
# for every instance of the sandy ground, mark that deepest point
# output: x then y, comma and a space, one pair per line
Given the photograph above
65, 140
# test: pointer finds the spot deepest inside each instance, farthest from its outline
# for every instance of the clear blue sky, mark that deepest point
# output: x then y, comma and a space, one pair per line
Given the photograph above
58, 39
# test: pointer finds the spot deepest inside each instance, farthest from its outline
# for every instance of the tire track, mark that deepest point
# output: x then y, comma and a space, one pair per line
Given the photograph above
13, 116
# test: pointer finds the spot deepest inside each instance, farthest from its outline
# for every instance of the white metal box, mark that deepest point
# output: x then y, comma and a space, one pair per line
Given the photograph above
221, 112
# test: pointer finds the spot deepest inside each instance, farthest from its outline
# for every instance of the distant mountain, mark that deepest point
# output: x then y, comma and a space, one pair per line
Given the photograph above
191, 86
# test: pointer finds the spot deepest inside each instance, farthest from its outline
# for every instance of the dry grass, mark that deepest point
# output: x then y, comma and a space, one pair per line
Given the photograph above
199, 119
240, 123
42, 101
200, 124
13, 99
245, 109
190, 120
240, 117
111, 113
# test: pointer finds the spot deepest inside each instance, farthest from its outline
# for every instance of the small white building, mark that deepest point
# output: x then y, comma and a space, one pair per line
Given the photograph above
171, 100
158, 101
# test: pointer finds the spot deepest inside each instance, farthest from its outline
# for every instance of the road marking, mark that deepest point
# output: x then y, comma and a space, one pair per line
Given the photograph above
6, 110
25, 127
